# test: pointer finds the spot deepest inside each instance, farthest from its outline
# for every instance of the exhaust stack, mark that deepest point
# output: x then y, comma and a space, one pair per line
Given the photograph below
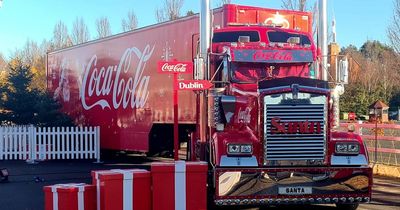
323, 38
202, 68
205, 37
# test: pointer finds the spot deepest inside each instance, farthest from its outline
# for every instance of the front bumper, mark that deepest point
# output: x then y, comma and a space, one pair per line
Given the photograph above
271, 186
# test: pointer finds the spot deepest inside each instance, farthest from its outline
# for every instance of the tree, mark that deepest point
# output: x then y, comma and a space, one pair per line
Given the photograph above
189, 13
393, 30
80, 32
374, 50
22, 105
2, 62
300, 5
34, 56
222, 2
61, 38
48, 112
103, 27
170, 10
130, 23
17, 96
376, 77
3, 76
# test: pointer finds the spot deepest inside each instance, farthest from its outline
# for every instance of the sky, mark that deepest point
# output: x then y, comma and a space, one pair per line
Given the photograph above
20, 20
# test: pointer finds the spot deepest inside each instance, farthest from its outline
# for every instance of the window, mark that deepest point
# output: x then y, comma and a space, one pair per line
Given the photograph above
282, 37
233, 36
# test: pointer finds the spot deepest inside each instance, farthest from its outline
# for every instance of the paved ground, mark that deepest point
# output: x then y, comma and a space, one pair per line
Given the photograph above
24, 190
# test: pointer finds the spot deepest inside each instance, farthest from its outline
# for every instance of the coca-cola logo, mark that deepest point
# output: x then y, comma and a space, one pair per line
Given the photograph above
175, 67
273, 55
180, 67
125, 82
293, 127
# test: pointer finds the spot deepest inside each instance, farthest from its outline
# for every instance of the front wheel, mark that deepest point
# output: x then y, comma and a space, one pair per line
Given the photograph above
347, 206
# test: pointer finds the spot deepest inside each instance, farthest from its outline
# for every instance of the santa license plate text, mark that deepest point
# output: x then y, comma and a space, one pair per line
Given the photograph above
294, 190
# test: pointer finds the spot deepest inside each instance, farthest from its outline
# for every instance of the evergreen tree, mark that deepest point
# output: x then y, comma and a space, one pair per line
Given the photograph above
18, 98
22, 105
48, 113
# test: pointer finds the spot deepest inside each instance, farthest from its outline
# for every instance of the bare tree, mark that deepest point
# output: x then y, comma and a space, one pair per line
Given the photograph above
103, 27
222, 2
130, 23
61, 38
170, 11
393, 30
300, 5
2, 62
80, 32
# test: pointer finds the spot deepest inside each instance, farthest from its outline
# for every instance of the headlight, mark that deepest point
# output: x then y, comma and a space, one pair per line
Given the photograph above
348, 148
240, 149
247, 148
233, 149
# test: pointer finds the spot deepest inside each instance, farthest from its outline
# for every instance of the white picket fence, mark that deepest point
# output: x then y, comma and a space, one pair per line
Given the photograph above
48, 143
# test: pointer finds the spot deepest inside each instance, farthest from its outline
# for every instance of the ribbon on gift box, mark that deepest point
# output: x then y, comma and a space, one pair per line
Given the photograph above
81, 189
127, 186
180, 185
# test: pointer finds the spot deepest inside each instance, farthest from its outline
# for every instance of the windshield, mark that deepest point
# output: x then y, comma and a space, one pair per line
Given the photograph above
233, 36
246, 72
283, 37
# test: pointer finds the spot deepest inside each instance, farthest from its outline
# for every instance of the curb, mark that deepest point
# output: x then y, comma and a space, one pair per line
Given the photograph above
385, 170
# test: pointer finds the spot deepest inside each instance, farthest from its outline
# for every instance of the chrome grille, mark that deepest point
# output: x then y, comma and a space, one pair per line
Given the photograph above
294, 146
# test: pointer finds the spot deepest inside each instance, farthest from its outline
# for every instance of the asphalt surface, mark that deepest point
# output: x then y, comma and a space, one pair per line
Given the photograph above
24, 191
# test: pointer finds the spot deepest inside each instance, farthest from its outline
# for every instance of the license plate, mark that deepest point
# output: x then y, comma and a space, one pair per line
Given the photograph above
294, 190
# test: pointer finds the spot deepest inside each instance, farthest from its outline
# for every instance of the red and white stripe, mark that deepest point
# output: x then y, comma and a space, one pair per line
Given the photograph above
81, 198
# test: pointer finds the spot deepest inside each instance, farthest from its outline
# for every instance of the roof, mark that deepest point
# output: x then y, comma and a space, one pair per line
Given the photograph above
378, 105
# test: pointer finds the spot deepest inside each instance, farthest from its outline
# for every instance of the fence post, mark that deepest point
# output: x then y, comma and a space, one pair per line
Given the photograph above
360, 127
97, 144
32, 144
1, 142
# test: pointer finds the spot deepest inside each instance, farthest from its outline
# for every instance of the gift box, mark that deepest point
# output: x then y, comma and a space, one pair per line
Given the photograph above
179, 185
128, 189
73, 196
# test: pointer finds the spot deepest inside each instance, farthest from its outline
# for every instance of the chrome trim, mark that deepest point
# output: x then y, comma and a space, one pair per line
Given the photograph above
299, 148
238, 161
349, 160
263, 201
265, 184
300, 87
274, 88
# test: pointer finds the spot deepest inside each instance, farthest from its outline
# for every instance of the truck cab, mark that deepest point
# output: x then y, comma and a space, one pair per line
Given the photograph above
270, 124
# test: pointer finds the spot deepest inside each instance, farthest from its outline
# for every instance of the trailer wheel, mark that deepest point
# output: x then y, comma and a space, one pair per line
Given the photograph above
347, 206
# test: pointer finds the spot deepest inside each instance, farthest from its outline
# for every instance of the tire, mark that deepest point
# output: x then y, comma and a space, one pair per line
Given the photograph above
347, 206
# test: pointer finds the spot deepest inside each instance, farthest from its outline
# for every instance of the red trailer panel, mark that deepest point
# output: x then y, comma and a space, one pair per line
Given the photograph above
114, 82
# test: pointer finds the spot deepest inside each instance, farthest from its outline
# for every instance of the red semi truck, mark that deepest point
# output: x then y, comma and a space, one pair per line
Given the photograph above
265, 127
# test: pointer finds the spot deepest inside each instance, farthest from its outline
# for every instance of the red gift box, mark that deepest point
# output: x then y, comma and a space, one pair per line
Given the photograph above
179, 185
73, 196
128, 189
